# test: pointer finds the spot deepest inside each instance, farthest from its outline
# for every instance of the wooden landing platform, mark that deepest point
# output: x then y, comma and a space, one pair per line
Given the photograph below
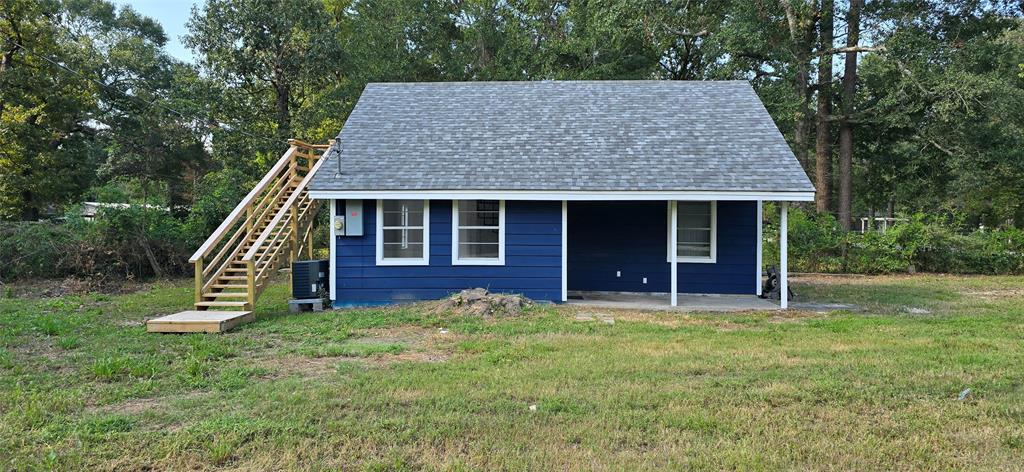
199, 322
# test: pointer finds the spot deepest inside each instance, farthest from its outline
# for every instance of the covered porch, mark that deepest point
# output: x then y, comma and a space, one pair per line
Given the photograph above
617, 254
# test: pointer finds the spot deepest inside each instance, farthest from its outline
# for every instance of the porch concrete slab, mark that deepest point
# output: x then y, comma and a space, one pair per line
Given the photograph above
660, 301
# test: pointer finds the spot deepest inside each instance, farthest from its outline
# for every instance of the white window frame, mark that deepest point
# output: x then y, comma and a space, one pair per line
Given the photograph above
714, 236
403, 261
456, 260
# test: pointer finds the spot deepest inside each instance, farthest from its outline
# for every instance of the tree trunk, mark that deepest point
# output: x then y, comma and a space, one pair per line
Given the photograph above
823, 142
800, 132
801, 35
845, 124
29, 212
284, 120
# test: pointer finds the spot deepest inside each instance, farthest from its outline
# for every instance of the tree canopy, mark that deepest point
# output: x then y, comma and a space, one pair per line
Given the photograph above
918, 105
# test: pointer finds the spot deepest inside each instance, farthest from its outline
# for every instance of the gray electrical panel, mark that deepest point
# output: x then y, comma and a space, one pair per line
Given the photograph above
349, 220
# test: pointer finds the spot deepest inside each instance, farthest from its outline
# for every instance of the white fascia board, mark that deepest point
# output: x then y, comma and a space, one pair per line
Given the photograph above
571, 195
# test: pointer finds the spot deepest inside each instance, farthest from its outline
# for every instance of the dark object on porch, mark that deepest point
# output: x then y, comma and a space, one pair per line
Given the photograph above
770, 289
309, 278
478, 302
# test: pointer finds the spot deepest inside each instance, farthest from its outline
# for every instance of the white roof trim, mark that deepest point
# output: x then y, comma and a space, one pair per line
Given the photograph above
572, 195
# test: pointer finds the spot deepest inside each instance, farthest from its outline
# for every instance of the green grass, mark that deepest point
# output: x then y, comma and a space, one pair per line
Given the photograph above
82, 386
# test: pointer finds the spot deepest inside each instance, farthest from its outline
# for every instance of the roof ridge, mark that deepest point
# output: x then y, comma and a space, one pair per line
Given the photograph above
539, 82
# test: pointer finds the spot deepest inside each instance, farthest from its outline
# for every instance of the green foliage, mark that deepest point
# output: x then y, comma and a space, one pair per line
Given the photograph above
120, 242
946, 113
215, 197
63, 131
939, 122
816, 244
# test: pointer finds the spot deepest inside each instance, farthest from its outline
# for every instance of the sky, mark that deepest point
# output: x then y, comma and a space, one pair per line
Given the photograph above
172, 14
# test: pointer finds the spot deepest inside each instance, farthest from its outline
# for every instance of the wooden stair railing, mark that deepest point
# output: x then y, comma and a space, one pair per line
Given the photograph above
284, 235
267, 224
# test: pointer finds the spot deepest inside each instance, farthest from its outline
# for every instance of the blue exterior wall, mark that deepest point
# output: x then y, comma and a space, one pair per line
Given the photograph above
533, 259
604, 237
632, 237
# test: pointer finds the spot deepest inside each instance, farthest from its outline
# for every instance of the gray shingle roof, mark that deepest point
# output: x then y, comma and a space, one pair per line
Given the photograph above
560, 136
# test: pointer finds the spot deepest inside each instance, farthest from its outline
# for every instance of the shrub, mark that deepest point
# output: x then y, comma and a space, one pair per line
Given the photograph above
130, 242
33, 249
921, 244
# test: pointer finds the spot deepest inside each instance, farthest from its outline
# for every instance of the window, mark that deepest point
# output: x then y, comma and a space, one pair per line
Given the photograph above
697, 232
478, 232
402, 235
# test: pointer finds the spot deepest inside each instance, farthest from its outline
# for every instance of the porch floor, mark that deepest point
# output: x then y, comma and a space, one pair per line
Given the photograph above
660, 301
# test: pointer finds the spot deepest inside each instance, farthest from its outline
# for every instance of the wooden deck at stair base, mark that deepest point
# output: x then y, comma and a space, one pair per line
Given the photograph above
199, 322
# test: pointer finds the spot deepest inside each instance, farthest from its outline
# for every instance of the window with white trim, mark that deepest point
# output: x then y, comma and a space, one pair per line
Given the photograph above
478, 232
696, 232
402, 235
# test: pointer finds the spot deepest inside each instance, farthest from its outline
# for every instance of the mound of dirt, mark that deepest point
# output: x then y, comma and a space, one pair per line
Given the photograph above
480, 302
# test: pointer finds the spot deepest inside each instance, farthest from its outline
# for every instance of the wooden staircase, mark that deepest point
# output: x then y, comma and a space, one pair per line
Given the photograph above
270, 227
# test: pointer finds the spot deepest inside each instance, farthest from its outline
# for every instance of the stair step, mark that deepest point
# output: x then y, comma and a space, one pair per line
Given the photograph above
232, 277
243, 287
221, 304
226, 295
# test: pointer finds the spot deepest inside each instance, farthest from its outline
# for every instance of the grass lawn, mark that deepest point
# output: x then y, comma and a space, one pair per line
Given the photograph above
82, 386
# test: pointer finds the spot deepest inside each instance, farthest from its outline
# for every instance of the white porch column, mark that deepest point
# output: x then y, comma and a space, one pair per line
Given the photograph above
784, 257
760, 237
565, 251
332, 252
674, 250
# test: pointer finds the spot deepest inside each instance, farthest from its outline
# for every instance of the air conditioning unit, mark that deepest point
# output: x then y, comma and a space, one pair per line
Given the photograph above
309, 278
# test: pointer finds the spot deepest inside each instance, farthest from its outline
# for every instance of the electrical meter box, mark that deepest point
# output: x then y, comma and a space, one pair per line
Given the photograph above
349, 218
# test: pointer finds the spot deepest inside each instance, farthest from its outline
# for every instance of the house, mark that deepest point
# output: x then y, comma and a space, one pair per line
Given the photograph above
552, 188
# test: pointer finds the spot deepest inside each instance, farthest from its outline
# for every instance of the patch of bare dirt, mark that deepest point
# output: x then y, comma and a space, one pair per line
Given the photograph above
51, 288
135, 406
847, 279
999, 294
792, 316
408, 356
662, 318
306, 367
422, 345
673, 319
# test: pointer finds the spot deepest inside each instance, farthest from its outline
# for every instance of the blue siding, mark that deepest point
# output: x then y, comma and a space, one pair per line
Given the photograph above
631, 237
533, 259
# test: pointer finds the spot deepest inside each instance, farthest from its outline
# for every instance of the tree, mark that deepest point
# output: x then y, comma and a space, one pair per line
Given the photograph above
269, 57
801, 21
823, 137
945, 106
846, 120
46, 150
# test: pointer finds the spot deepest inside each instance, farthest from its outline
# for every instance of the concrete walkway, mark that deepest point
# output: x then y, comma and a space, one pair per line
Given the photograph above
660, 301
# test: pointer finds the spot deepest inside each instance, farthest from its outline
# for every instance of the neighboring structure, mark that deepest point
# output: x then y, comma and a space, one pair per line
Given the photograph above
544, 188
90, 210
878, 223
